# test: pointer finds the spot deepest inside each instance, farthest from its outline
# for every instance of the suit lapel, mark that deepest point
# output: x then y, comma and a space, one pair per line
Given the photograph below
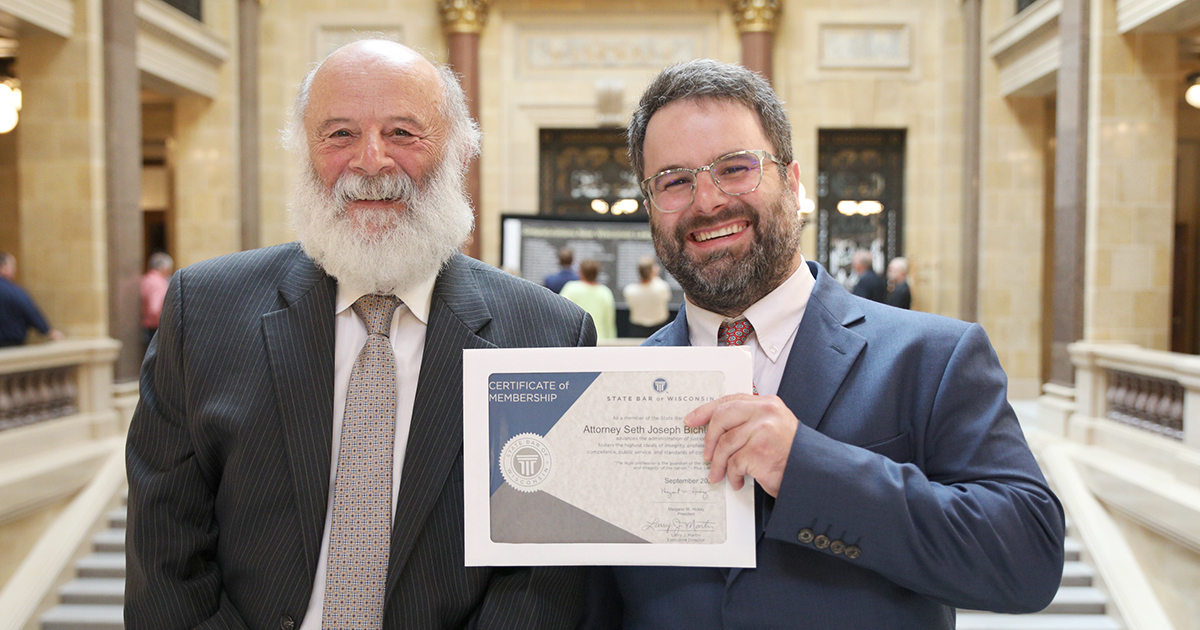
824, 350
457, 313
674, 334
300, 345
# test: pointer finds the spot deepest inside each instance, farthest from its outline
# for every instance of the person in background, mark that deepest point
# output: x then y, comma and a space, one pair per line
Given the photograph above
18, 312
897, 275
565, 273
595, 298
295, 459
892, 482
153, 290
649, 300
869, 284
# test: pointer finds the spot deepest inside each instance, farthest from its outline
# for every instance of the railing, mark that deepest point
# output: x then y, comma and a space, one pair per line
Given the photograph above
30, 397
51, 380
1152, 390
1152, 404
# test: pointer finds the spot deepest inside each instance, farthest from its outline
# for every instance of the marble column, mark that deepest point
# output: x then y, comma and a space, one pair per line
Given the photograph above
972, 141
123, 175
756, 22
248, 126
463, 21
1070, 188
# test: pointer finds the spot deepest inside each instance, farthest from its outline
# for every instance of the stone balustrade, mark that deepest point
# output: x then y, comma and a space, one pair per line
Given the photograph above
1152, 390
51, 380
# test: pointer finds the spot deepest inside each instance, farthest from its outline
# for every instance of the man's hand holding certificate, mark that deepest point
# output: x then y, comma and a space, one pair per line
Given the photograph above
583, 456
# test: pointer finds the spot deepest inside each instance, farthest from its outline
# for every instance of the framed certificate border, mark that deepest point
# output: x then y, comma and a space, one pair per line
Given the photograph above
542, 488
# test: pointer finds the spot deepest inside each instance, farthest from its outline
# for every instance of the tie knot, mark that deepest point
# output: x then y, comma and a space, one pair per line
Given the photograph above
376, 312
734, 333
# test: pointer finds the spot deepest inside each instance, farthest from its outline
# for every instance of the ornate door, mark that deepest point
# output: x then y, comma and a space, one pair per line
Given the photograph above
586, 173
860, 197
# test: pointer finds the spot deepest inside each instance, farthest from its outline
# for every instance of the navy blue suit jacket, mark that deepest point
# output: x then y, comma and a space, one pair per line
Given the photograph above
907, 451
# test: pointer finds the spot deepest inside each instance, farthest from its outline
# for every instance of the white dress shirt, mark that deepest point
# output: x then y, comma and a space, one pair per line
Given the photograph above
408, 341
775, 319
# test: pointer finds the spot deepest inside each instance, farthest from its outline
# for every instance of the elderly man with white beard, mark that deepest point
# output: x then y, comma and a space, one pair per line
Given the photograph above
295, 460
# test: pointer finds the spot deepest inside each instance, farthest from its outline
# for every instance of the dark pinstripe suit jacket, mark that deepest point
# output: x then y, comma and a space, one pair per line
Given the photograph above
229, 452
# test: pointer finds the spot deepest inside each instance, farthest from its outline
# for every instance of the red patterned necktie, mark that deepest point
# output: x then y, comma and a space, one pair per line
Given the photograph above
734, 333
360, 530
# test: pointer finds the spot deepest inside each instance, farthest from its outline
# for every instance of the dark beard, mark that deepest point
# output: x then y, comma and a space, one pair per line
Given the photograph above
728, 282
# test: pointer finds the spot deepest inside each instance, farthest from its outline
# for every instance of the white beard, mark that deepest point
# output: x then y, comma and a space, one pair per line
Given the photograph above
385, 251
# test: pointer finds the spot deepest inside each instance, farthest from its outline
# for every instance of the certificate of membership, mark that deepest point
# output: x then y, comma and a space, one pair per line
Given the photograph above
578, 456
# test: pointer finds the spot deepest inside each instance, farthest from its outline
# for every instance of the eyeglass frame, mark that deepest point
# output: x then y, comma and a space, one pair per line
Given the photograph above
759, 153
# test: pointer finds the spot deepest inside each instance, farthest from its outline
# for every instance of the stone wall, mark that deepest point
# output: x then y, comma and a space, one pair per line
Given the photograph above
61, 159
1015, 181
1134, 91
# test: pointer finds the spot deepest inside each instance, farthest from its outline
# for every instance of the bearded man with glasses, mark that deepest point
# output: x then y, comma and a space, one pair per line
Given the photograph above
892, 481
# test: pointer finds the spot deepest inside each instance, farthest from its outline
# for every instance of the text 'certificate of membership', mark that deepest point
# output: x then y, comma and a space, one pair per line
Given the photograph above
577, 456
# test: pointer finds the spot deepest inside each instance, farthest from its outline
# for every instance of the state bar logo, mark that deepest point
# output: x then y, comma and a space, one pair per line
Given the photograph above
660, 385
526, 462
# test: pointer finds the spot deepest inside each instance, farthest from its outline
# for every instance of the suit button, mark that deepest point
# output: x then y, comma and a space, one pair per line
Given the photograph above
821, 541
805, 536
853, 552
286, 623
837, 546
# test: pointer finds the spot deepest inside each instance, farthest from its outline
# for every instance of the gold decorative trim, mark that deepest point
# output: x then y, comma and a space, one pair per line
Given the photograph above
463, 16
756, 16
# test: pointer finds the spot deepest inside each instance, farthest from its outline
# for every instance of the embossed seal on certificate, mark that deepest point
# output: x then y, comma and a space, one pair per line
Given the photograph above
525, 462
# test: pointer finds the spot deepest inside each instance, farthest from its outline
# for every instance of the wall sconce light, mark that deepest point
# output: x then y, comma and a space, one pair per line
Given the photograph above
600, 206
625, 206
10, 103
1192, 95
850, 207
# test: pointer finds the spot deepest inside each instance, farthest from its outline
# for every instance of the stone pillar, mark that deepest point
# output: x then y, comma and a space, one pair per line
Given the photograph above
463, 21
123, 177
972, 142
248, 127
1070, 189
756, 22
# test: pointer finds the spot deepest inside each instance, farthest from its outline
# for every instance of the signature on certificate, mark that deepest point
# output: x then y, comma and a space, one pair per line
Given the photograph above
680, 525
699, 494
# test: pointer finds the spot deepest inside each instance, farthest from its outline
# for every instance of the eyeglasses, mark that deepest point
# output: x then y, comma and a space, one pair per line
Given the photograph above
734, 174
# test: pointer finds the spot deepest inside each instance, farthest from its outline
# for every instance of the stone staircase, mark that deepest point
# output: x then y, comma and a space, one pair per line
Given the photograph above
1078, 605
95, 599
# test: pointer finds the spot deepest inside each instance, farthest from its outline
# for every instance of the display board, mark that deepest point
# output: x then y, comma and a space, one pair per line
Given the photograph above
530, 244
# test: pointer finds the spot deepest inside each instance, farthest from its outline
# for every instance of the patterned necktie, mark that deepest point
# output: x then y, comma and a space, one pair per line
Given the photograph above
734, 333
360, 533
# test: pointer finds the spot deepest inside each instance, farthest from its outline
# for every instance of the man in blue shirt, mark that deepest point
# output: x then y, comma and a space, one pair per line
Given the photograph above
556, 280
869, 284
18, 313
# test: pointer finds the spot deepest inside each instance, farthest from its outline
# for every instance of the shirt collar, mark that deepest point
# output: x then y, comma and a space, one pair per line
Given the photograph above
416, 298
775, 317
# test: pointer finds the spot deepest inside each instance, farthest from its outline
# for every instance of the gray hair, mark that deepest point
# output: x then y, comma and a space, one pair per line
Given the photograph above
160, 260
707, 79
463, 142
